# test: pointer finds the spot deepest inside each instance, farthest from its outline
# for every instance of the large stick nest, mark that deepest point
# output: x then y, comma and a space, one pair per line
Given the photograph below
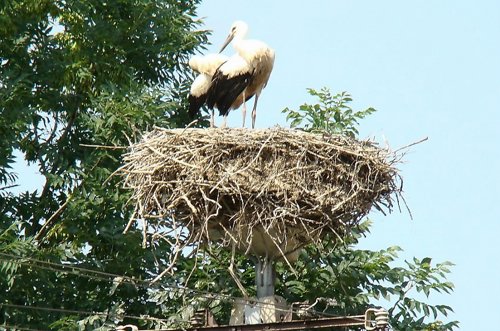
263, 191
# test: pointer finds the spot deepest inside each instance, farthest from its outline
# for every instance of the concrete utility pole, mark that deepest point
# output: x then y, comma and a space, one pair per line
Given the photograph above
265, 277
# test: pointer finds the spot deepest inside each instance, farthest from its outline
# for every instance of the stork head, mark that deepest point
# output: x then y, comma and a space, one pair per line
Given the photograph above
238, 30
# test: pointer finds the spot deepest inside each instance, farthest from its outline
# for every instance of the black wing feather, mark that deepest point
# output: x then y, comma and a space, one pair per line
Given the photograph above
224, 90
195, 104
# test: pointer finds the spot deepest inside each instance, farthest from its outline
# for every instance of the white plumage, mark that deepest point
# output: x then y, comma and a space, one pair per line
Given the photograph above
206, 67
207, 64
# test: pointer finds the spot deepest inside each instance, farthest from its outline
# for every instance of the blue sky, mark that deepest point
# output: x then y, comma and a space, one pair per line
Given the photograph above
431, 69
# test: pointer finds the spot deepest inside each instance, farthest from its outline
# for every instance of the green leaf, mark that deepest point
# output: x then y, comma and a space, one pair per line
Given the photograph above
426, 261
331, 114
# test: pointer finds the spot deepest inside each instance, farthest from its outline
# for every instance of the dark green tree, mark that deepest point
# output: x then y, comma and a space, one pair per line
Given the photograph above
73, 75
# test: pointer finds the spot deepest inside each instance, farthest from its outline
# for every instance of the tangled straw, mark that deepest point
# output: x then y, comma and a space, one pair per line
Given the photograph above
266, 192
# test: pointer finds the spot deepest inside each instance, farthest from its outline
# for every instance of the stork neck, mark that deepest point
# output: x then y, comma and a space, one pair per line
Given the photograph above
240, 46
237, 45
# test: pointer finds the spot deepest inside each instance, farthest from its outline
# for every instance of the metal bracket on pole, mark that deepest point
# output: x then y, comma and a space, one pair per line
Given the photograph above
376, 319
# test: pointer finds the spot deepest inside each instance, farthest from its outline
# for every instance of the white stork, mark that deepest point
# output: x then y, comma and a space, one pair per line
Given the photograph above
243, 75
206, 67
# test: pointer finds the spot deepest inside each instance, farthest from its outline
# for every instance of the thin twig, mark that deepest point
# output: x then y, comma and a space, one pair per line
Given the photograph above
412, 144
103, 146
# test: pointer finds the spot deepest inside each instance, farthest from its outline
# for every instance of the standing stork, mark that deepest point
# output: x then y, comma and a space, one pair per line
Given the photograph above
206, 67
243, 76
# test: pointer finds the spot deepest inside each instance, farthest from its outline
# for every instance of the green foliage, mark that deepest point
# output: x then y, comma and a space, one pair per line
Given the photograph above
74, 74
10, 244
332, 114
422, 277
358, 279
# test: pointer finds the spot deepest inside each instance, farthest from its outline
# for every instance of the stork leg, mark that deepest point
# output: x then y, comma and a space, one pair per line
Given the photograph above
224, 122
212, 124
244, 110
254, 110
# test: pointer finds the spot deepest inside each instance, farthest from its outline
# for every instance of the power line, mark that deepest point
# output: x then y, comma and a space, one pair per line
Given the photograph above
105, 276
70, 272
17, 327
84, 272
80, 312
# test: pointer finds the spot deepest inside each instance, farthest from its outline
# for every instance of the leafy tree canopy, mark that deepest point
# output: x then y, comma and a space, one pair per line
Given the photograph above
74, 74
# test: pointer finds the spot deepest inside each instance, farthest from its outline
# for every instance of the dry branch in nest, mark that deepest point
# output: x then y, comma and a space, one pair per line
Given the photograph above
266, 192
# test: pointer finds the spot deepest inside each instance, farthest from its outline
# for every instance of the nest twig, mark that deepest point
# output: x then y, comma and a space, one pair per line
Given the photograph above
267, 192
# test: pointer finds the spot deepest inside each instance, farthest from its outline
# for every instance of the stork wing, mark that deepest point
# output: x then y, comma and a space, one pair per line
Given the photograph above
198, 94
228, 82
